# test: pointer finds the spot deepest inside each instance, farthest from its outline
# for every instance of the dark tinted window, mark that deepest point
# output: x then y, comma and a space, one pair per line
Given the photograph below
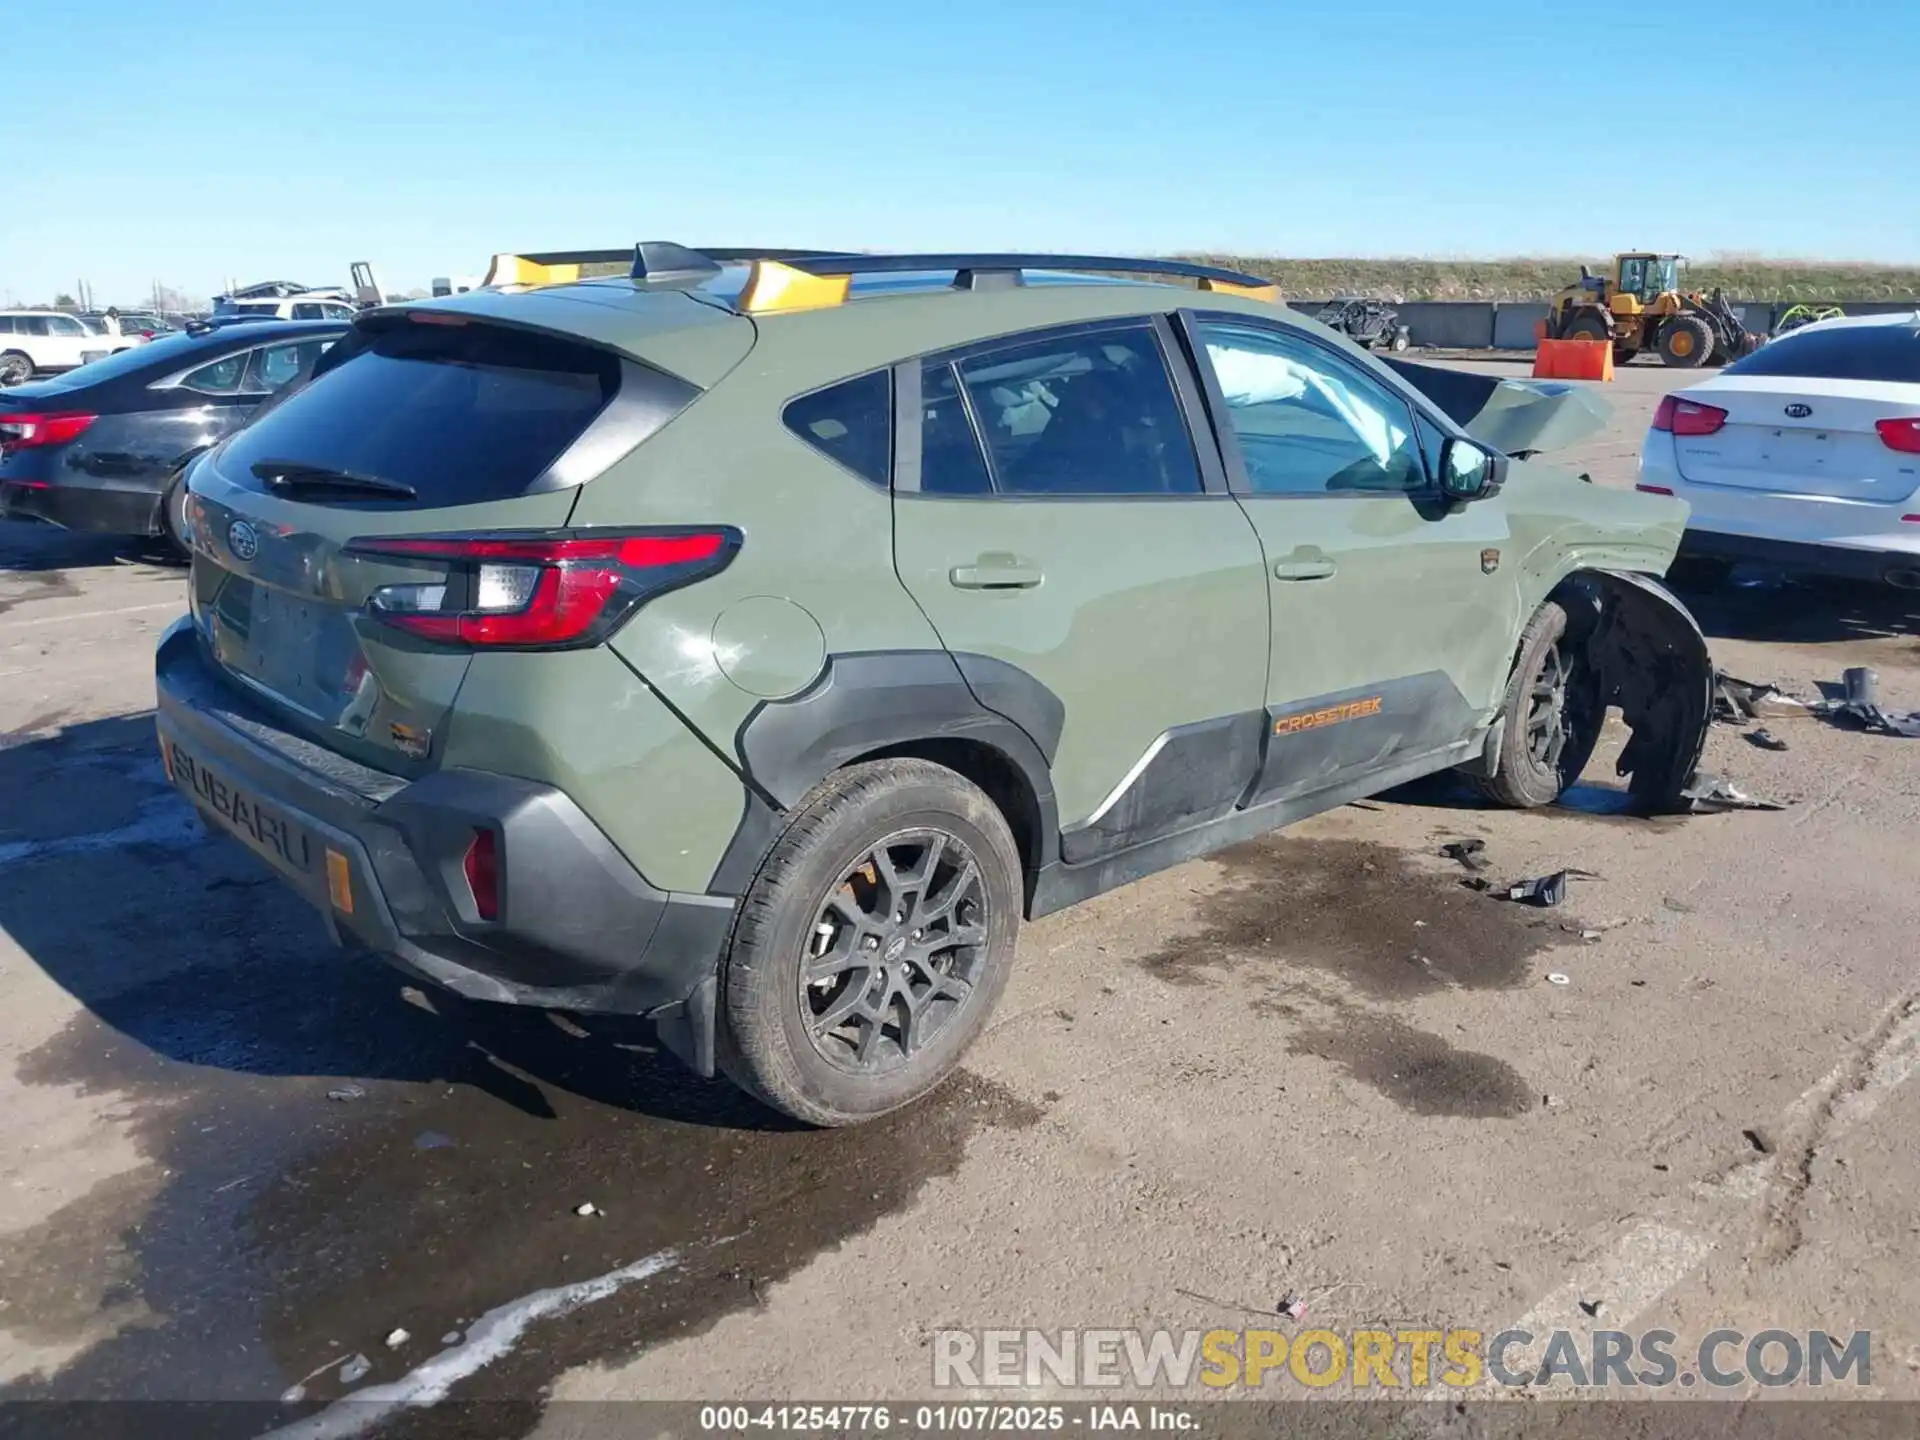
1847, 352
950, 458
852, 422
309, 312
1087, 414
275, 365
220, 377
460, 413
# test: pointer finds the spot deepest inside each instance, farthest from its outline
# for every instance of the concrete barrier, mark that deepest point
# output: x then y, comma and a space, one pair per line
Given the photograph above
1513, 324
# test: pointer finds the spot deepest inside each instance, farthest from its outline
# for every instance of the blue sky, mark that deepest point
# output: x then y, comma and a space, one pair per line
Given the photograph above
201, 140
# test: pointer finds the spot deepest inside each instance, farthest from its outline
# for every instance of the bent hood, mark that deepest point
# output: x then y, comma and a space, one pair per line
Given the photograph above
1515, 417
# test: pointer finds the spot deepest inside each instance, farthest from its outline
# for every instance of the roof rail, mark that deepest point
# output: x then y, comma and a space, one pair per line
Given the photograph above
807, 282
660, 261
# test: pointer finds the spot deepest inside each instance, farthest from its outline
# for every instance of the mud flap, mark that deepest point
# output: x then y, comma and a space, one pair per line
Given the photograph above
1653, 663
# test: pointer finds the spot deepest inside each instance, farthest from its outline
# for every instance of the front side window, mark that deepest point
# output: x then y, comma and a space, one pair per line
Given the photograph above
1306, 422
307, 312
64, 325
1087, 414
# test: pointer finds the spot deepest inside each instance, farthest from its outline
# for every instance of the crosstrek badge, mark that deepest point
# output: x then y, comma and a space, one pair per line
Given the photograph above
1332, 715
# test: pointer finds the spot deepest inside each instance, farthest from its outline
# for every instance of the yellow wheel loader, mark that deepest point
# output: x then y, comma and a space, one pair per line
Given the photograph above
1642, 306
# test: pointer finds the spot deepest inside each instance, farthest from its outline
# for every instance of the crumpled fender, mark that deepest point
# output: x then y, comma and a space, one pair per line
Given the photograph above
1653, 663
1515, 416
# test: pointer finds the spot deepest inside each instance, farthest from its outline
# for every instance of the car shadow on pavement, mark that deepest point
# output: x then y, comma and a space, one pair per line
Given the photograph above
28, 546
184, 942
1762, 606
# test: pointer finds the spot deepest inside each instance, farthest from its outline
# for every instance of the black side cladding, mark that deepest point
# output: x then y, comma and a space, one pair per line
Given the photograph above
1653, 663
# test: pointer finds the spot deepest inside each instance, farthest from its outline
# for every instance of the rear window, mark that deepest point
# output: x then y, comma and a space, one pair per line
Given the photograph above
461, 414
1846, 352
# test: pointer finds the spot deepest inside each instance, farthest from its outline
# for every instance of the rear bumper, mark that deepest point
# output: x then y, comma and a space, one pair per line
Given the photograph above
381, 859
111, 508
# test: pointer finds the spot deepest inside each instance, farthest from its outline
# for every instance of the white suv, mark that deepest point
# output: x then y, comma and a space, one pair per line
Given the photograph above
45, 342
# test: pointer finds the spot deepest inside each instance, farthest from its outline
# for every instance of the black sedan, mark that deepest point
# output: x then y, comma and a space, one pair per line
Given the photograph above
96, 448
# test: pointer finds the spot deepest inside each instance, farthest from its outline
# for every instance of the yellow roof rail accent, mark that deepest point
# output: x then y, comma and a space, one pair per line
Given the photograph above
521, 270
1268, 293
774, 288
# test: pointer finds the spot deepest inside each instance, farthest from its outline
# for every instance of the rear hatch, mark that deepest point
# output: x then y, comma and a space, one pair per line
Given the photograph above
1802, 437
425, 422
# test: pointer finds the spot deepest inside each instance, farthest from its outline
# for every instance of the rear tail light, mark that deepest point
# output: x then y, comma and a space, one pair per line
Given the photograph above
1902, 435
27, 430
1687, 417
540, 592
482, 866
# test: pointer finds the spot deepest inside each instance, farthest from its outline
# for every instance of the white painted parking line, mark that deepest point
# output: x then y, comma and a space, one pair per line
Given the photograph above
173, 605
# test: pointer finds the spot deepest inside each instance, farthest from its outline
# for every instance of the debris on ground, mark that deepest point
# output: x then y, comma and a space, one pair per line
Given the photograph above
1860, 702
347, 1092
1477, 882
1547, 890
432, 1140
1591, 1308
452, 1337
1591, 935
1469, 852
1292, 1306
1556, 977
1737, 701
355, 1370
397, 1337
567, 1025
1712, 794
587, 1208
1765, 739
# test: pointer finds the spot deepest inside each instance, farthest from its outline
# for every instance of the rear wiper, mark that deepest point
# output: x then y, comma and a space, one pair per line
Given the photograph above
297, 474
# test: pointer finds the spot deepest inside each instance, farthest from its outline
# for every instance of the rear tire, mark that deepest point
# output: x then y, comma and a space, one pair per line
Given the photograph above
871, 945
173, 516
1552, 712
1686, 341
1401, 340
15, 368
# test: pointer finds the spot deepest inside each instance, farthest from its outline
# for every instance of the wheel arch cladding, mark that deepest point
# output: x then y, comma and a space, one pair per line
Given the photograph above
886, 704
1654, 664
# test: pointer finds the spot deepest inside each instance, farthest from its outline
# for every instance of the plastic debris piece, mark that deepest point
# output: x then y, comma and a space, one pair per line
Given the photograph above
1469, 852
347, 1092
1547, 890
355, 1370
1861, 687
1765, 739
1292, 1306
1737, 701
587, 1208
1712, 794
1592, 1308
293, 1394
1555, 977
1477, 882
397, 1337
1591, 935
452, 1337
567, 1025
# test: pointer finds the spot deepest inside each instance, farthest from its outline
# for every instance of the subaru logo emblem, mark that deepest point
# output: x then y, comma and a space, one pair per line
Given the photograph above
1799, 411
242, 540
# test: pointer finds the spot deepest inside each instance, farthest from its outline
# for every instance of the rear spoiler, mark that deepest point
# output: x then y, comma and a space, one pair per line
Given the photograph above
1516, 417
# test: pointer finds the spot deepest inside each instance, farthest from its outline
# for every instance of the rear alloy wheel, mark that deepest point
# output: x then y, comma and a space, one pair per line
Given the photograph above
1552, 712
15, 368
872, 944
1686, 341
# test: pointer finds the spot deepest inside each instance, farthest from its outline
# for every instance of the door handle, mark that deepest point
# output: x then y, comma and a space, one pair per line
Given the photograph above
1319, 569
996, 572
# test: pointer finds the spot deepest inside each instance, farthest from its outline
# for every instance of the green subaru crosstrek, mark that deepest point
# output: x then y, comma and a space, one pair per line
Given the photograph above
749, 642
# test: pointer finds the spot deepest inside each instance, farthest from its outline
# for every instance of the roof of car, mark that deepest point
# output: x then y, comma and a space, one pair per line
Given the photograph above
1850, 322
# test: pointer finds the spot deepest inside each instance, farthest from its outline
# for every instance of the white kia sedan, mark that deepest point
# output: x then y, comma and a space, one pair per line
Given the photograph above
1804, 455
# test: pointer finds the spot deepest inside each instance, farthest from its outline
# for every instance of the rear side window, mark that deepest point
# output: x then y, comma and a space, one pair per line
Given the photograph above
461, 414
221, 377
1084, 414
1847, 352
851, 422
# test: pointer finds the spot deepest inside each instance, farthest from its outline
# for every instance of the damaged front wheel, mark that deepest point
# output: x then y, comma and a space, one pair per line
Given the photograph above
1550, 717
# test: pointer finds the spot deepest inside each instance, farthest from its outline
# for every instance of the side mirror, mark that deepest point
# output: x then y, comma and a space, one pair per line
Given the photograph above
1467, 472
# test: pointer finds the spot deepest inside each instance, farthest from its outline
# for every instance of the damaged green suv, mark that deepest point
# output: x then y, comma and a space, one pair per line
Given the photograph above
751, 641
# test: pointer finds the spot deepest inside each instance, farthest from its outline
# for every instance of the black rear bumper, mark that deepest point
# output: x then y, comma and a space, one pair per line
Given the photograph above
108, 507
578, 927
